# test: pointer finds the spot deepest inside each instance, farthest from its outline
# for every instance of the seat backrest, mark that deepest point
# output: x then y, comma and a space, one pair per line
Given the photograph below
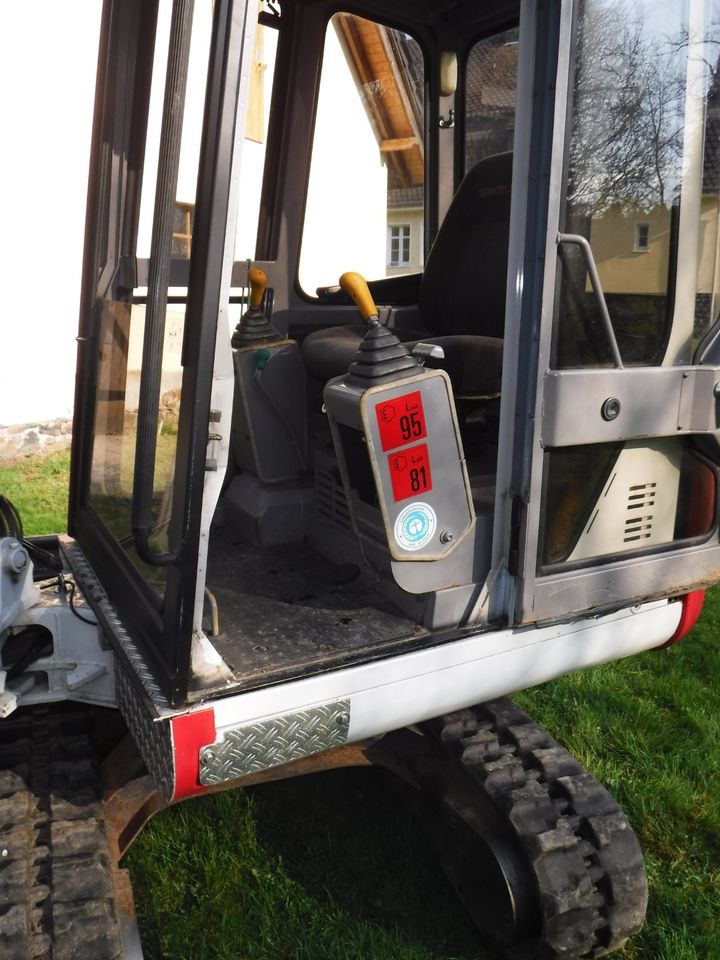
463, 284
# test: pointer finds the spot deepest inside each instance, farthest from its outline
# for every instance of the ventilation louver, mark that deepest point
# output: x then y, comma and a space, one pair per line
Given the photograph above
641, 500
330, 503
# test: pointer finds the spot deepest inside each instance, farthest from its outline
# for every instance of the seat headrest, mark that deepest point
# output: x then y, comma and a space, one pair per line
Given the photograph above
463, 285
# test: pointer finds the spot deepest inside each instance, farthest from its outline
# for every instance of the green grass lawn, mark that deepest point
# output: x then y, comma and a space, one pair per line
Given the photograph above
336, 867
38, 487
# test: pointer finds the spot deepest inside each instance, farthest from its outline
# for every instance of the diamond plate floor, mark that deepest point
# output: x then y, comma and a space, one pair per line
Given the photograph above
285, 611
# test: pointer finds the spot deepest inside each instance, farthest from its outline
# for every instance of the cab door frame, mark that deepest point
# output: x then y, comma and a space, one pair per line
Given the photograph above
537, 150
518, 590
162, 630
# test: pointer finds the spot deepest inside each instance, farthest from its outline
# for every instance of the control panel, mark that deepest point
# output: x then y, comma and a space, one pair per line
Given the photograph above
414, 448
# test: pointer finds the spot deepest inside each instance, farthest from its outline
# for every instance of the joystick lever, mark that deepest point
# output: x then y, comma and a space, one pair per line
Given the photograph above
355, 285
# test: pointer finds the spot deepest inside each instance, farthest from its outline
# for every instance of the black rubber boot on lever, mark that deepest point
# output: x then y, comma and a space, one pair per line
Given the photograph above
254, 327
380, 356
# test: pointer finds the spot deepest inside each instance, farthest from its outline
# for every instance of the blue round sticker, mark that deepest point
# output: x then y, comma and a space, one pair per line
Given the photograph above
415, 526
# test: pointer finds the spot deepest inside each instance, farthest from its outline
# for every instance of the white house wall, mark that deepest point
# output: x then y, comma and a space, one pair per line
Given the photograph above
192, 117
48, 57
45, 175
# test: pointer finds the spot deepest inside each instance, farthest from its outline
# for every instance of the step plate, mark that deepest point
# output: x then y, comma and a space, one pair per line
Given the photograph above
269, 743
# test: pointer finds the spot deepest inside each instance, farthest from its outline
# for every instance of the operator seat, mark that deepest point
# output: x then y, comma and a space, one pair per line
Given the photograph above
462, 292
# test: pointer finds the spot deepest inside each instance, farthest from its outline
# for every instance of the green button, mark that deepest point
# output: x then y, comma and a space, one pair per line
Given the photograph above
262, 358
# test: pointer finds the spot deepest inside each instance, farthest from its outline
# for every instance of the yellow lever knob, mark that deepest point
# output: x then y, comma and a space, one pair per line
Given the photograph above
258, 281
355, 285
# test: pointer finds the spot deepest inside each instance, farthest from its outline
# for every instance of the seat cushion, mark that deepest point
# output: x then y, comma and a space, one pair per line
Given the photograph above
328, 353
474, 364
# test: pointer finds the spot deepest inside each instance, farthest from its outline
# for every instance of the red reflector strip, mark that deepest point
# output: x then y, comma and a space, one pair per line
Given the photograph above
189, 733
410, 472
691, 606
401, 420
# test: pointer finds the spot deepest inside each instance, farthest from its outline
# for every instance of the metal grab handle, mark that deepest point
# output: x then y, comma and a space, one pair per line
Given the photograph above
582, 242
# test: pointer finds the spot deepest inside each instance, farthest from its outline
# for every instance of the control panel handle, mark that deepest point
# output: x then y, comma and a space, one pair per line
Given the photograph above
355, 285
258, 281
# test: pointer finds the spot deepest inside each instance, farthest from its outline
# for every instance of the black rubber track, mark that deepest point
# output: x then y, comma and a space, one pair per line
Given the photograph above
56, 892
586, 860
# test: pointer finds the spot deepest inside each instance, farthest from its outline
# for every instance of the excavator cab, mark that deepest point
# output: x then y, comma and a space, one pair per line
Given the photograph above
494, 420
398, 380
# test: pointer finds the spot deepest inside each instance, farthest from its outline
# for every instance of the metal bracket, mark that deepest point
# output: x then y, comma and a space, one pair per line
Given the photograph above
645, 402
268, 743
271, 15
8, 698
425, 351
17, 592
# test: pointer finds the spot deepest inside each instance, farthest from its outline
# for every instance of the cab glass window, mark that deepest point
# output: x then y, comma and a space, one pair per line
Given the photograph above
254, 148
122, 326
642, 182
365, 194
490, 95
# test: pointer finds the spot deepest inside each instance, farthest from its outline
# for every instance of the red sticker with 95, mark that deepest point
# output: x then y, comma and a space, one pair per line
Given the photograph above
401, 420
410, 472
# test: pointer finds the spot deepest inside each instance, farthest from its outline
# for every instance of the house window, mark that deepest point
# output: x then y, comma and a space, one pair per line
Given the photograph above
642, 237
182, 230
399, 253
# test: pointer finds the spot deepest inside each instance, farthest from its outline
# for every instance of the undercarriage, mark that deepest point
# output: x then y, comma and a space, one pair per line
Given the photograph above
541, 855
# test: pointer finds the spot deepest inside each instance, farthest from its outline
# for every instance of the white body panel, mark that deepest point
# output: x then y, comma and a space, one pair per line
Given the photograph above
638, 503
413, 687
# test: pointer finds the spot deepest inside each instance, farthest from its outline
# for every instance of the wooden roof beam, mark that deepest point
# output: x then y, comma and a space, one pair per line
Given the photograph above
398, 143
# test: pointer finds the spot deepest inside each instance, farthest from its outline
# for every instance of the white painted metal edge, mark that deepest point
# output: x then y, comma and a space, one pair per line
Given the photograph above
412, 687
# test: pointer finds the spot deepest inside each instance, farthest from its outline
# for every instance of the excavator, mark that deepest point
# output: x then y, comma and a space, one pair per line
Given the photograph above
393, 327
